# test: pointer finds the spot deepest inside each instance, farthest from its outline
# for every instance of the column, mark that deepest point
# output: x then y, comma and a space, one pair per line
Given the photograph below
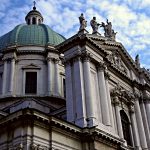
118, 118
103, 95
49, 76
109, 99
69, 92
147, 106
134, 129
12, 73
88, 92
56, 78
4, 77
140, 124
79, 94
37, 20
145, 123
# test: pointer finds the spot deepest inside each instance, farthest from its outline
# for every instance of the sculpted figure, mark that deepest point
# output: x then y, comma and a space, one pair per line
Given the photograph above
137, 60
109, 28
109, 32
83, 22
94, 25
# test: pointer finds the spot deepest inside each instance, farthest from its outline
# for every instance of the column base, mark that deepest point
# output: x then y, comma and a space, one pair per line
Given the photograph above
138, 148
91, 122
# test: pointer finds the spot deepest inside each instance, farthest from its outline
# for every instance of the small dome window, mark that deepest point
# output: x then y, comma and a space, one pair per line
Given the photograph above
34, 20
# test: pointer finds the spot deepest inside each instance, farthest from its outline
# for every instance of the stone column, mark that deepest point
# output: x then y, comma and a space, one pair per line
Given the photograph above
134, 128
49, 76
88, 91
147, 106
145, 123
79, 95
103, 95
109, 99
12, 73
118, 118
4, 77
56, 61
140, 124
69, 92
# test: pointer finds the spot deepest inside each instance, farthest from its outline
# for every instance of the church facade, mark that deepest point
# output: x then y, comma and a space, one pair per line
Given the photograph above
81, 93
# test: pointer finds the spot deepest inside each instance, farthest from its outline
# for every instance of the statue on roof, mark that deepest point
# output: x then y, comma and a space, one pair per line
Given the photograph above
94, 25
83, 22
109, 32
137, 60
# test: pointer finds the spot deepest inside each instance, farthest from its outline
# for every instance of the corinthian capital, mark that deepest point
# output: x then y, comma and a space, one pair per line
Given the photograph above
137, 95
101, 66
86, 56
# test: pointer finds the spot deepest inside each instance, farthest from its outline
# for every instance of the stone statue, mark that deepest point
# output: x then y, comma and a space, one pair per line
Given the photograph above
94, 25
83, 22
109, 32
137, 60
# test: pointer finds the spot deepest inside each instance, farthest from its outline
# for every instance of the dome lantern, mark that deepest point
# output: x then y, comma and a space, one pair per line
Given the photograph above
34, 17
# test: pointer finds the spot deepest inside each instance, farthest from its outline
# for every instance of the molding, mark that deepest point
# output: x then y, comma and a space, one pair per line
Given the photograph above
31, 66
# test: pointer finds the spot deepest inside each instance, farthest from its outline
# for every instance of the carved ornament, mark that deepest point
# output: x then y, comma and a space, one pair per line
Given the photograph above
115, 59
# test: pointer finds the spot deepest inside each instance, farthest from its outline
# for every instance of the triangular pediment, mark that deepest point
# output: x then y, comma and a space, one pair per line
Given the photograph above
116, 54
31, 66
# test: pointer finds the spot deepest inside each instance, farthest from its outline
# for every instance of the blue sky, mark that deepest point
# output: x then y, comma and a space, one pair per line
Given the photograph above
130, 19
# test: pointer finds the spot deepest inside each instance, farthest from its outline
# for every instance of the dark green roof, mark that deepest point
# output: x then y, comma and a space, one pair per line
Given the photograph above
23, 35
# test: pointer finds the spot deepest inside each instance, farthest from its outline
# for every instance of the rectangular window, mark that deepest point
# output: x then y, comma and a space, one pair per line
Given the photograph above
31, 83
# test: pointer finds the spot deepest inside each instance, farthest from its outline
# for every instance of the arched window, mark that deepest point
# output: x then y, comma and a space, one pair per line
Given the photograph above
34, 20
39, 21
126, 127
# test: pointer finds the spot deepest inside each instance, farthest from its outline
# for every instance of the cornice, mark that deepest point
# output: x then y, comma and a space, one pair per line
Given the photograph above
31, 114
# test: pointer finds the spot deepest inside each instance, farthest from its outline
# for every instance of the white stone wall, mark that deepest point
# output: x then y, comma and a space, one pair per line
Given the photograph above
32, 63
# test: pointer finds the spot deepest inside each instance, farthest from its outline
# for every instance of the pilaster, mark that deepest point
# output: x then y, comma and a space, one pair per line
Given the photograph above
147, 107
49, 76
118, 117
103, 95
107, 76
79, 104
12, 74
4, 77
145, 121
134, 128
56, 77
91, 120
140, 122
69, 92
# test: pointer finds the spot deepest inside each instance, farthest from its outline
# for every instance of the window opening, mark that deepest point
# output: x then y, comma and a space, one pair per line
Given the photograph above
31, 83
34, 20
126, 127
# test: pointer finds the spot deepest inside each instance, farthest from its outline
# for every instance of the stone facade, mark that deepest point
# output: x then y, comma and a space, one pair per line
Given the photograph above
88, 94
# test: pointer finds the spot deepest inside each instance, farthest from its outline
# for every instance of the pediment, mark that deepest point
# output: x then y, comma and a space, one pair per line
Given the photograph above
115, 58
31, 66
116, 54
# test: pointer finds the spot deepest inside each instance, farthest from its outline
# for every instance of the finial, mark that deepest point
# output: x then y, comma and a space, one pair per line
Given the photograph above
34, 3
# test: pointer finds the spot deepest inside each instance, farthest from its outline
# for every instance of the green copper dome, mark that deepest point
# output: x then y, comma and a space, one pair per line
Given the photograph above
24, 35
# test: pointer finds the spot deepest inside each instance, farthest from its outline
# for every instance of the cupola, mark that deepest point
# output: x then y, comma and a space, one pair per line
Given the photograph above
34, 17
